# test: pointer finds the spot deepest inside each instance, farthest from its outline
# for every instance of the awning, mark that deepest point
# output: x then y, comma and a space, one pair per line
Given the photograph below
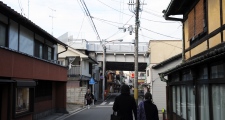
25, 83
6, 81
20, 83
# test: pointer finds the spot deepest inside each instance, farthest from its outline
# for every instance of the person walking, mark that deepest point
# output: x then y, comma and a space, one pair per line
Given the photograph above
89, 97
147, 110
125, 104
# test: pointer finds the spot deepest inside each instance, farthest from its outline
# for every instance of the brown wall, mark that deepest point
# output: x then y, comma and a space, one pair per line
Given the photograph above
4, 106
60, 99
13, 64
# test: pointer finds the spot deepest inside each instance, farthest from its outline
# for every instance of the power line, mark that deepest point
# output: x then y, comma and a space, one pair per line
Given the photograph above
131, 15
90, 18
81, 27
140, 27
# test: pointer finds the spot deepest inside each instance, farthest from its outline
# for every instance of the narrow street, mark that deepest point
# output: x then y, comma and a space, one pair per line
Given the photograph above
100, 111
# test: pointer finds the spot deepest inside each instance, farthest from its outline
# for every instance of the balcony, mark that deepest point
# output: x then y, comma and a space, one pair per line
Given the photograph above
74, 71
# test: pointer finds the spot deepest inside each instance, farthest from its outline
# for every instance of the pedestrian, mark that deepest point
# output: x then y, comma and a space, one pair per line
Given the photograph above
89, 97
147, 110
125, 104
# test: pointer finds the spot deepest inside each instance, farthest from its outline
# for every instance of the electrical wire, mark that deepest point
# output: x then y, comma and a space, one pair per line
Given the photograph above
90, 18
131, 15
140, 27
80, 27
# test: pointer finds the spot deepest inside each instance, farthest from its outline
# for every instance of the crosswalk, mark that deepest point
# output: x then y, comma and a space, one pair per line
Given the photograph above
105, 104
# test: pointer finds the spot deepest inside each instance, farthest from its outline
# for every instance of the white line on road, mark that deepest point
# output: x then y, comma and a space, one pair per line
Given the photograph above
103, 106
111, 103
103, 103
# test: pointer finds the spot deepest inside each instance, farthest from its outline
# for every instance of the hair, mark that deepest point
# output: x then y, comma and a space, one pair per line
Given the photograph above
125, 89
148, 96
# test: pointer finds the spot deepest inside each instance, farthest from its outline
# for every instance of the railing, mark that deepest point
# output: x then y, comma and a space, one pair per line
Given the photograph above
74, 71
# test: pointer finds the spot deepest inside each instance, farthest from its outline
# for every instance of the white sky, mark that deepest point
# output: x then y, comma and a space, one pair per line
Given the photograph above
69, 17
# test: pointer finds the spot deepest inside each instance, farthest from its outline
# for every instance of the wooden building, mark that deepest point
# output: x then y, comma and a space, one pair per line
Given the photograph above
196, 87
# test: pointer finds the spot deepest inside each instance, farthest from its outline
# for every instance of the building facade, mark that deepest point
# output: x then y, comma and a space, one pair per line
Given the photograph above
195, 88
32, 84
80, 70
157, 56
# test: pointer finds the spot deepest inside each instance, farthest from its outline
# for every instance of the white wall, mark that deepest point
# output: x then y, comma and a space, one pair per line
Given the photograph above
158, 87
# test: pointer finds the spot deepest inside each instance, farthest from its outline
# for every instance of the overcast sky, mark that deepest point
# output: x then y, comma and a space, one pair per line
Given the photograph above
107, 15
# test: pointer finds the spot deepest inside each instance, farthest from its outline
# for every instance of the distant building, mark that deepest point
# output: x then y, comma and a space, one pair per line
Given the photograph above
160, 51
32, 83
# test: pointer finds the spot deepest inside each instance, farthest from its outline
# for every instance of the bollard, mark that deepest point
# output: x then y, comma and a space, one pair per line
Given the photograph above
163, 113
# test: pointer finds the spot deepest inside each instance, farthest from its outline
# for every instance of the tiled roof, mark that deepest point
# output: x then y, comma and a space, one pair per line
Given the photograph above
8, 11
209, 55
161, 64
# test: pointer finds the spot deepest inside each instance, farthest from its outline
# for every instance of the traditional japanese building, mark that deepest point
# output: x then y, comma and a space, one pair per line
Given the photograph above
196, 87
32, 84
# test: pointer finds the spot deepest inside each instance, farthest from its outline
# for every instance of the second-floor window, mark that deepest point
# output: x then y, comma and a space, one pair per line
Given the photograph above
2, 34
50, 53
38, 49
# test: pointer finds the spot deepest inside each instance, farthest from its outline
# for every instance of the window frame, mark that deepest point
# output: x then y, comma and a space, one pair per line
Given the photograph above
31, 101
6, 33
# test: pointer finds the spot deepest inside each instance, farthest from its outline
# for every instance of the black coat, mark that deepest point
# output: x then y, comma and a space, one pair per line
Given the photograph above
124, 104
151, 110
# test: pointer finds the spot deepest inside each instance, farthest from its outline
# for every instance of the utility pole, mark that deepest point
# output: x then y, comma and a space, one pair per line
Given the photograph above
103, 73
136, 12
136, 52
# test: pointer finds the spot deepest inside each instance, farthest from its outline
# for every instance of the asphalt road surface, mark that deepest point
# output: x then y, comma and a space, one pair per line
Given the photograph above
100, 111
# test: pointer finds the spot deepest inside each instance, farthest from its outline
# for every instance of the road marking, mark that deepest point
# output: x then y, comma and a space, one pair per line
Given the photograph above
103, 106
103, 103
111, 103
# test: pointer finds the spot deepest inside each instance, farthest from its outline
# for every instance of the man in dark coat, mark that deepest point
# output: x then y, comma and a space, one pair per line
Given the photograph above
124, 104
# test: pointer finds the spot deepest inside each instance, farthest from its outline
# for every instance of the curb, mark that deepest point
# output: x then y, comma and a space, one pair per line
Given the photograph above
70, 113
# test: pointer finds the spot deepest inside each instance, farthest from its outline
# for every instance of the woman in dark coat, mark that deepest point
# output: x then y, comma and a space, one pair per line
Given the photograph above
124, 104
147, 110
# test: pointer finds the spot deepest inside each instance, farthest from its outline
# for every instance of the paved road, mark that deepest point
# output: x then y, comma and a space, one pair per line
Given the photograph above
100, 111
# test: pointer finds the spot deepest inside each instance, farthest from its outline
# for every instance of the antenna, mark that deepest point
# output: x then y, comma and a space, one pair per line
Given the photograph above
28, 8
52, 16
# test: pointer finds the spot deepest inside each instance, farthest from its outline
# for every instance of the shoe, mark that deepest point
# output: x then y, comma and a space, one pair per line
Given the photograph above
88, 107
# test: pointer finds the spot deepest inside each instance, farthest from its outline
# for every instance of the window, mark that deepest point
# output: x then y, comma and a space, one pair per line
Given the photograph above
147, 72
183, 102
90, 68
38, 49
26, 41
22, 100
218, 101
203, 102
187, 76
178, 100
217, 71
174, 98
203, 73
191, 103
50, 53
2, 34
13, 35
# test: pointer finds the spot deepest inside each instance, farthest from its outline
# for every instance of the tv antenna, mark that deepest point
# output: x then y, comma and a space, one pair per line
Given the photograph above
52, 16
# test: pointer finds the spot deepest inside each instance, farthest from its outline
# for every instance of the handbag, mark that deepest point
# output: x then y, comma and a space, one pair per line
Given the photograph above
115, 117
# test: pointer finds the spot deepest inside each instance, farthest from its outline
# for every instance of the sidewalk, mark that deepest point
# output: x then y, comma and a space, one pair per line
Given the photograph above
71, 108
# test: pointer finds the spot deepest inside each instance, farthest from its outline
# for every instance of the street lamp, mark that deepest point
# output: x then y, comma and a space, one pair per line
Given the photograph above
104, 42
